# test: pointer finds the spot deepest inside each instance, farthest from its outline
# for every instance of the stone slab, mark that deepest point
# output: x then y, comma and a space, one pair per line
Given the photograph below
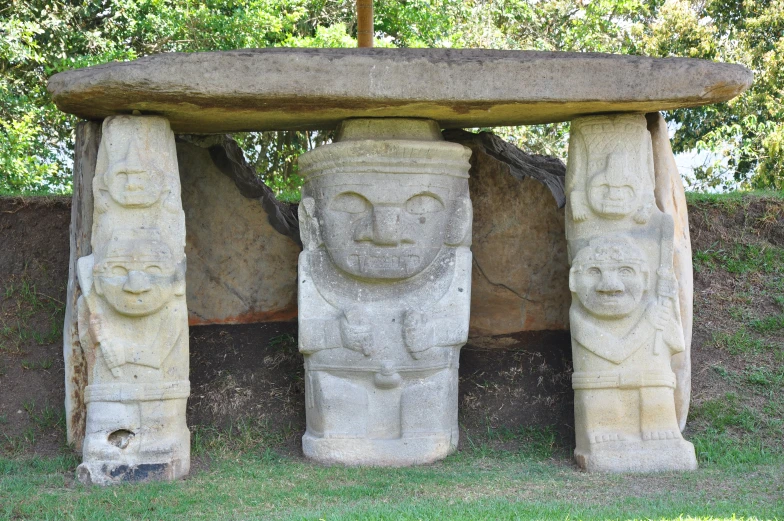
279, 89
520, 276
240, 270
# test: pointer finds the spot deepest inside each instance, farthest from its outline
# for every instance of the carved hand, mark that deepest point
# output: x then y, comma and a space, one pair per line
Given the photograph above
356, 333
418, 333
662, 317
667, 285
643, 214
113, 354
579, 207
97, 329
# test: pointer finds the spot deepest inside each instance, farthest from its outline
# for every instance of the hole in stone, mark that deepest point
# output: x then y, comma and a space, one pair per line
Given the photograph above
121, 438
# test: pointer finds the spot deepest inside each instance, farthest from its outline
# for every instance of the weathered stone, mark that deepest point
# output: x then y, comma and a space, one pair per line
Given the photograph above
278, 89
240, 269
671, 199
520, 277
625, 317
133, 326
384, 292
88, 137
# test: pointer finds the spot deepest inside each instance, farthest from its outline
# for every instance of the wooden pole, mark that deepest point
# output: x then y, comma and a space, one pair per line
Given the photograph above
364, 23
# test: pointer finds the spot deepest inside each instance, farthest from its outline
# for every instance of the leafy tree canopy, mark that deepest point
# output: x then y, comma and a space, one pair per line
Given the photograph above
41, 37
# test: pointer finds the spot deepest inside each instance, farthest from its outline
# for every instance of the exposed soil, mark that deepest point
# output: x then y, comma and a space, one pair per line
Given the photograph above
737, 361
33, 275
508, 384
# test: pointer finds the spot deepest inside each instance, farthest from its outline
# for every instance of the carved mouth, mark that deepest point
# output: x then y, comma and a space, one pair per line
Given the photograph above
615, 207
610, 299
402, 264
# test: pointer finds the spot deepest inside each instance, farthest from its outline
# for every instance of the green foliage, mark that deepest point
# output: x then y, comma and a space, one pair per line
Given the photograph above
747, 133
41, 37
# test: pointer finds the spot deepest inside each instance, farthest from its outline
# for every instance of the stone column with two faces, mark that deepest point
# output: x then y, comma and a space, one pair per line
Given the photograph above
624, 319
133, 322
384, 292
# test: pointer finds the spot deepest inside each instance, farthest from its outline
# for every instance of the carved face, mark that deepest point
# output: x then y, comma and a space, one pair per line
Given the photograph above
139, 279
131, 183
609, 289
612, 193
390, 228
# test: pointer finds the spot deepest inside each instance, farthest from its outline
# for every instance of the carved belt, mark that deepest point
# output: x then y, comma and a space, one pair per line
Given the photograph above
120, 392
624, 380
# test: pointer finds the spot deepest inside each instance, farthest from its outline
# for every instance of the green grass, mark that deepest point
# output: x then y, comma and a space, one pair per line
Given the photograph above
467, 485
726, 412
734, 198
740, 342
741, 259
769, 324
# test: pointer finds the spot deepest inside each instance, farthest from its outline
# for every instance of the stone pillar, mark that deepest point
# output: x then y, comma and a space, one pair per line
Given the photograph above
625, 317
132, 317
88, 138
384, 292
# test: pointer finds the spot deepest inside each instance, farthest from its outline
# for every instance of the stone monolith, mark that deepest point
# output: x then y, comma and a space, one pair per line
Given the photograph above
625, 316
384, 292
133, 321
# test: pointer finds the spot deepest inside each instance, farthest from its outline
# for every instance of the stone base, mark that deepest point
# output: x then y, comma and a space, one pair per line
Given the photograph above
638, 456
115, 472
398, 452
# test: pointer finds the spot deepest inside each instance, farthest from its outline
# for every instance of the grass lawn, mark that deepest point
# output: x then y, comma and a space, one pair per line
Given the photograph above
473, 484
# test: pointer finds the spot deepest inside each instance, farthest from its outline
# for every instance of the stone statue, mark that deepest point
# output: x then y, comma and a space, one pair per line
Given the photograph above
384, 292
625, 316
133, 320
136, 176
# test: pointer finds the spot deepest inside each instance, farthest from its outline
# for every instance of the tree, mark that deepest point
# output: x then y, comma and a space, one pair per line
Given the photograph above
41, 37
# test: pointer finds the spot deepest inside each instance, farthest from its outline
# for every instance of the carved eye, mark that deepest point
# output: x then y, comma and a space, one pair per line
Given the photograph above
154, 270
350, 202
422, 204
594, 271
626, 271
119, 271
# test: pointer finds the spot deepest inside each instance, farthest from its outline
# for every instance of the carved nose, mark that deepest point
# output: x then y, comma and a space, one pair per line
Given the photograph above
138, 282
386, 225
610, 284
615, 193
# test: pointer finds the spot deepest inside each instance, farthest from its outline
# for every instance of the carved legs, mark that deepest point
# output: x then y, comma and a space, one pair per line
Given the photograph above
353, 420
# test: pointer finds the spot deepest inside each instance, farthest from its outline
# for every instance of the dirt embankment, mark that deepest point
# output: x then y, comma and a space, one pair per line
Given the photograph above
511, 386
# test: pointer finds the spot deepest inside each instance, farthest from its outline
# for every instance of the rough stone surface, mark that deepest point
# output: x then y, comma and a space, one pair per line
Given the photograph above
671, 199
240, 269
132, 319
384, 293
625, 318
278, 89
520, 277
88, 138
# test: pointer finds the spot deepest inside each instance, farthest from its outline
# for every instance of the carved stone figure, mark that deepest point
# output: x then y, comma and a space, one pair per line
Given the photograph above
384, 292
133, 320
625, 316
136, 176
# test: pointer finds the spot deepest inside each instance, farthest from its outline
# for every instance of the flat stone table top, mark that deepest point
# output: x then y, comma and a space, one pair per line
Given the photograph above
282, 88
